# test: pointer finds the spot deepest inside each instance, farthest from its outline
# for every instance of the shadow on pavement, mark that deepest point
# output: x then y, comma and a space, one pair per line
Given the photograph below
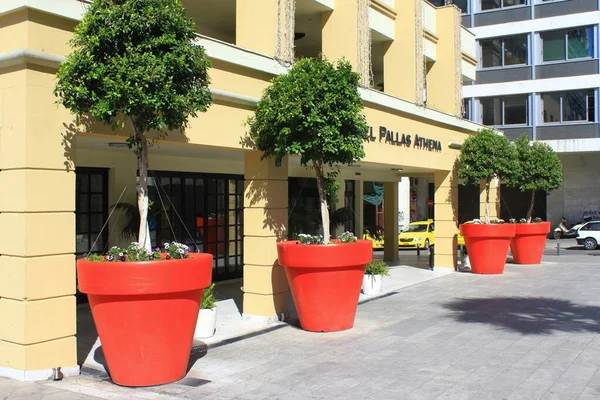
527, 315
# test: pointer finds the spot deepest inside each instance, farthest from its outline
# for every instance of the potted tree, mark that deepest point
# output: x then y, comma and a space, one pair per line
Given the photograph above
134, 63
207, 318
538, 168
484, 157
315, 112
374, 272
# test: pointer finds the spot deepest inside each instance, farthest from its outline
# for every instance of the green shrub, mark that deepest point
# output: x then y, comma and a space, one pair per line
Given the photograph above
377, 267
209, 299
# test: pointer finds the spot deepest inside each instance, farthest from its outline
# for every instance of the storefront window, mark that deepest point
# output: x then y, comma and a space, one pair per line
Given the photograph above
504, 51
204, 211
501, 111
349, 201
91, 210
567, 45
568, 106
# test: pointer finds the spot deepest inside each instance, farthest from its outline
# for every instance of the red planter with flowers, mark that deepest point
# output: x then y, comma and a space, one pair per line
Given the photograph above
325, 281
145, 313
527, 246
487, 246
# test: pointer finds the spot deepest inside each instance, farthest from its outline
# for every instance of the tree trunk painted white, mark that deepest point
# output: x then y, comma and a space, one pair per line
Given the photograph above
323, 200
142, 189
487, 201
530, 209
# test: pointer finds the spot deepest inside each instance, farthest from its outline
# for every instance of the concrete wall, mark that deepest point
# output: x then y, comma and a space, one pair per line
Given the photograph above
580, 191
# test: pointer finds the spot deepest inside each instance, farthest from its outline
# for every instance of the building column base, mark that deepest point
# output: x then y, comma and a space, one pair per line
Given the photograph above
36, 375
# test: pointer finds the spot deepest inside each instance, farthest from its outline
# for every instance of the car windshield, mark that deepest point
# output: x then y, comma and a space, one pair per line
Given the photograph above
416, 228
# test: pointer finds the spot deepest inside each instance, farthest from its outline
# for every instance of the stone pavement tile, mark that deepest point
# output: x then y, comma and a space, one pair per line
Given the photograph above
572, 383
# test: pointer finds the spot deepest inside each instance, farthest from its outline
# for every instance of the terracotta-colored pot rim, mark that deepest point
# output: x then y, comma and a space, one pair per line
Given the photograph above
145, 277
488, 230
292, 254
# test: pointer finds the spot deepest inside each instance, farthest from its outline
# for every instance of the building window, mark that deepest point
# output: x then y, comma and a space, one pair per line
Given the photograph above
576, 106
203, 211
568, 44
466, 111
349, 201
504, 52
502, 111
495, 4
91, 210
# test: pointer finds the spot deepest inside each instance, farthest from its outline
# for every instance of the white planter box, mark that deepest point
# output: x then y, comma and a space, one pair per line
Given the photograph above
371, 284
207, 320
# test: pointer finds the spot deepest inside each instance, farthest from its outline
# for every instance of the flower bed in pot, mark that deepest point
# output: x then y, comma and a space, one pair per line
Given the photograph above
325, 281
487, 245
145, 311
527, 246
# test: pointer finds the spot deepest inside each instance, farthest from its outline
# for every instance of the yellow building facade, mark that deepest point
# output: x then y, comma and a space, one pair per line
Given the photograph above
59, 177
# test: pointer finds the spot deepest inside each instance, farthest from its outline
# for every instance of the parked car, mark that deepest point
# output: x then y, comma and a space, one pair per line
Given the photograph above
375, 237
588, 235
419, 233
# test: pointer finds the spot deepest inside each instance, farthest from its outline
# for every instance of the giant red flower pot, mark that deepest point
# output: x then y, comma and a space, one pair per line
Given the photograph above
145, 314
487, 246
527, 246
325, 281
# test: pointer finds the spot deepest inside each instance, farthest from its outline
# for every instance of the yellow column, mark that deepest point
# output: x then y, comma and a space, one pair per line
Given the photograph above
343, 36
494, 200
267, 27
446, 219
390, 219
265, 224
444, 90
400, 61
37, 228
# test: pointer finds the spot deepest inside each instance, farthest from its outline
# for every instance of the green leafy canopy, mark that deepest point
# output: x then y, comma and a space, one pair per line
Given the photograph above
485, 156
135, 59
314, 111
538, 167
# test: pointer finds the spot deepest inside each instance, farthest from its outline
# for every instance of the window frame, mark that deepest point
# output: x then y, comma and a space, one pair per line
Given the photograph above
87, 172
561, 108
502, 52
591, 42
503, 111
502, 6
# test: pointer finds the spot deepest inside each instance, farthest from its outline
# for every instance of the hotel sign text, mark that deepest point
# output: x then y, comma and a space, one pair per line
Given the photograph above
398, 139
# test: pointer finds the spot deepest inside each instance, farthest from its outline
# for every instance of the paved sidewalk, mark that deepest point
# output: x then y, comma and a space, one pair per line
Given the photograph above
531, 333
232, 326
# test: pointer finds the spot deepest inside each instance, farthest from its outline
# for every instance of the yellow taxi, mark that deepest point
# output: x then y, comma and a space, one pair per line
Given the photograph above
376, 239
419, 233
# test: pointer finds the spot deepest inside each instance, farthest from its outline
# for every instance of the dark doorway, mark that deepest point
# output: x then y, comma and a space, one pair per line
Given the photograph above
514, 204
468, 203
203, 211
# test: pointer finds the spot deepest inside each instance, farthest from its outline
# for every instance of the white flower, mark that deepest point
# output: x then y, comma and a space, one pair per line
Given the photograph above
120, 254
166, 245
180, 251
115, 247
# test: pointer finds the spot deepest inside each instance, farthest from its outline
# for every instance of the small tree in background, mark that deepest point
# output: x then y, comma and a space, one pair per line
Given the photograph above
314, 111
484, 157
134, 60
538, 168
